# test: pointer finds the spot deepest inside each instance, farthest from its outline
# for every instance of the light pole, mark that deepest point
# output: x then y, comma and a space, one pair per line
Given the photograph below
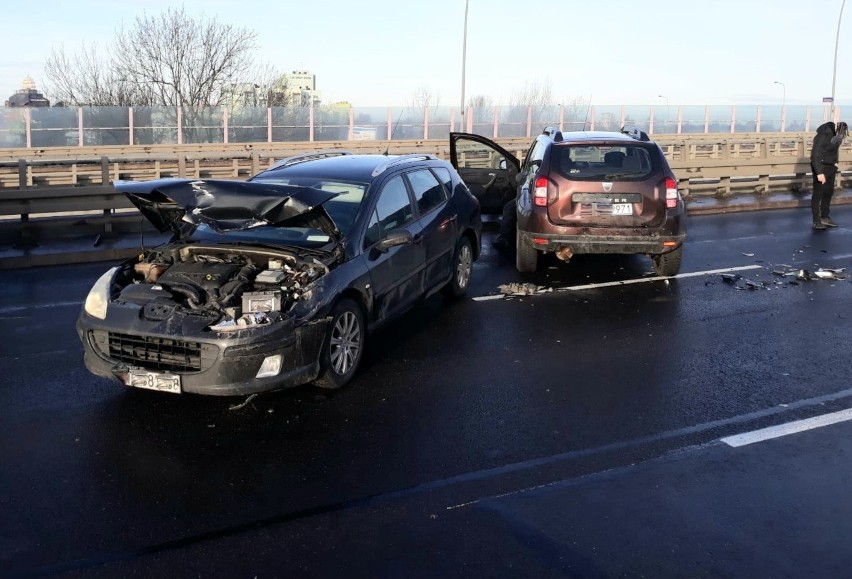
662, 96
783, 91
783, 101
464, 59
834, 73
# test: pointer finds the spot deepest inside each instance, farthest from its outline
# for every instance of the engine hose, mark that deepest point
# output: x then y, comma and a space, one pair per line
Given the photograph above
193, 297
230, 289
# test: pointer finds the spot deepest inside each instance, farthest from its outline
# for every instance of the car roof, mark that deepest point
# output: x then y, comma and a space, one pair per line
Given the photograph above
580, 136
360, 168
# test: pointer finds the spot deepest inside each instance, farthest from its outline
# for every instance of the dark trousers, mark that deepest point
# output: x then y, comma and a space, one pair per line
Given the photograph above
821, 198
509, 221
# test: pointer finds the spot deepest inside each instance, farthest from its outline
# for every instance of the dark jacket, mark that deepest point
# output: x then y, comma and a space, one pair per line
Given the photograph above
824, 151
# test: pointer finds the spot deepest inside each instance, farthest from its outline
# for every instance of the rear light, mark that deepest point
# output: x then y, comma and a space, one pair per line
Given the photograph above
539, 241
671, 193
669, 243
540, 192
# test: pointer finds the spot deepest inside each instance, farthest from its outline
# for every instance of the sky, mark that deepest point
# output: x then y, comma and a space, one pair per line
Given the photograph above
382, 52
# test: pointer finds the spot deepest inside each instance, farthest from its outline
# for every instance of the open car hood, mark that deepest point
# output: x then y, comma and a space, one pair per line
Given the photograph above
178, 205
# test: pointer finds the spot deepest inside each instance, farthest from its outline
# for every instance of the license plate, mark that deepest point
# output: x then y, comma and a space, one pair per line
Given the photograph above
154, 381
622, 209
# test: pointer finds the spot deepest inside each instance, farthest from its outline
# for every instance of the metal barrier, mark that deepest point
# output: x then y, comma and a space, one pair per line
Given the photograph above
66, 191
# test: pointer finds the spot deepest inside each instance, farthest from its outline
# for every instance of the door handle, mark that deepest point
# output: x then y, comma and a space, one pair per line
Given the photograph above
449, 220
491, 180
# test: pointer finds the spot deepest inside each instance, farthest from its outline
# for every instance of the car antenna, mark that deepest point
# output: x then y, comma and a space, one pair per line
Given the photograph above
588, 112
393, 132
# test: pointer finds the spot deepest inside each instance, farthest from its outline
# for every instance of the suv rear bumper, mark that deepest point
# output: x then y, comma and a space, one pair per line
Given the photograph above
591, 241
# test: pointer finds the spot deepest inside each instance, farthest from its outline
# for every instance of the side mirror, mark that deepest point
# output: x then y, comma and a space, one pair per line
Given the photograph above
394, 238
503, 165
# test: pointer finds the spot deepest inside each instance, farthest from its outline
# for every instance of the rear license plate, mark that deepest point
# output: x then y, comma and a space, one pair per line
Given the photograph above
622, 209
154, 381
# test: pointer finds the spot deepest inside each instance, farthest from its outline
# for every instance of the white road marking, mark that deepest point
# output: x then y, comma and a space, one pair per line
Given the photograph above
487, 298
631, 281
15, 309
787, 429
658, 278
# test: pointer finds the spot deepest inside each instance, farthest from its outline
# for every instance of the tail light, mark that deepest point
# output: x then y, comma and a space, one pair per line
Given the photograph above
540, 192
672, 196
545, 193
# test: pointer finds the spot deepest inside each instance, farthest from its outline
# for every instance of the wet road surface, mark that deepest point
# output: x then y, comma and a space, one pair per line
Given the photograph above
573, 433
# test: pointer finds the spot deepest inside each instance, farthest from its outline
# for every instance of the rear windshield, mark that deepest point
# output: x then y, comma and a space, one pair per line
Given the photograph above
625, 162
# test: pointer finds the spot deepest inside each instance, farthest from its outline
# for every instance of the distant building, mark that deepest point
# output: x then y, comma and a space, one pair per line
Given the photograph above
27, 96
302, 88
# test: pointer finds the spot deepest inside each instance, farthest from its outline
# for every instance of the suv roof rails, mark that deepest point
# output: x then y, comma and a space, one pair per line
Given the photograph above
635, 133
402, 159
296, 159
553, 133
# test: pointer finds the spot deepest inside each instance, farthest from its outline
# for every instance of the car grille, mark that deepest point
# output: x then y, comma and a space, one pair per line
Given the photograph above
155, 353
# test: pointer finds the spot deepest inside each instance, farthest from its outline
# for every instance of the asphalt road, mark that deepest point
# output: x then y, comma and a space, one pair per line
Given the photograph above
571, 433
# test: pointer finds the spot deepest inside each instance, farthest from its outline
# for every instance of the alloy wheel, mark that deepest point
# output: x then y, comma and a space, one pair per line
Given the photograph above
345, 343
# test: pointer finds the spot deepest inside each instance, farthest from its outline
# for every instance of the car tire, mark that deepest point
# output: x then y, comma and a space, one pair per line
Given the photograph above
526, 257
668, 264
462, 267
343, 347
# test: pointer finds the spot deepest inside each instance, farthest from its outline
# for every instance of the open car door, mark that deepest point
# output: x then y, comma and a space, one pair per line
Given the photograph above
488, 169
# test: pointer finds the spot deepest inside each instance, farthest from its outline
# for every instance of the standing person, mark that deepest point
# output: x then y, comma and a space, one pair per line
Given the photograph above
824, 165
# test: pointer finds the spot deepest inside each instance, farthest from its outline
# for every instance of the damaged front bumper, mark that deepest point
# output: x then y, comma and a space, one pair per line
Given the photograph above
208, 362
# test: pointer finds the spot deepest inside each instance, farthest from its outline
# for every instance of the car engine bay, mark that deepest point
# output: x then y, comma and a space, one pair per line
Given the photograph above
237, 288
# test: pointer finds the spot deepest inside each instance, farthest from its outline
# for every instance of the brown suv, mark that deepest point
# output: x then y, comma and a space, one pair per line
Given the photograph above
583, 192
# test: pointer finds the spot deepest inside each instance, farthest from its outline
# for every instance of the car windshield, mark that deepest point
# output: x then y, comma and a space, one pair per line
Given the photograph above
342, 209
625, 162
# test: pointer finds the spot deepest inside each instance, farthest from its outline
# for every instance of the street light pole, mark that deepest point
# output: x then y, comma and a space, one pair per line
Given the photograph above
783, 91
783, 102
834, 73
662, 96
464, 60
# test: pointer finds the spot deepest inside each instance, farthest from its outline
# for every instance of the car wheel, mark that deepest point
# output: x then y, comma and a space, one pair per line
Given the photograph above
526, 257
462, 267
668, 264
343, 347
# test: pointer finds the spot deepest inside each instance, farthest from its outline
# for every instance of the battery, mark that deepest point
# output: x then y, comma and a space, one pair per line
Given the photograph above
261, 302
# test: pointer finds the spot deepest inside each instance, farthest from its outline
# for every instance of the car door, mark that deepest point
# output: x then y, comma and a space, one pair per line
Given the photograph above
488, 169
438, 223
396, 274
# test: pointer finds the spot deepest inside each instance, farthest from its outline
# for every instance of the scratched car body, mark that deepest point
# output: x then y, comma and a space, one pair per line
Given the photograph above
276, 281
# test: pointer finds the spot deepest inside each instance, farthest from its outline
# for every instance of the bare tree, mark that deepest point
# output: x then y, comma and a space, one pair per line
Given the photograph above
483, 108
575, 113
89, 78
185, 61
425, 97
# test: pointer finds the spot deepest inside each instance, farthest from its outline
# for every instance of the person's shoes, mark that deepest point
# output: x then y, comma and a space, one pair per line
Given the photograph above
828, 222
820, 226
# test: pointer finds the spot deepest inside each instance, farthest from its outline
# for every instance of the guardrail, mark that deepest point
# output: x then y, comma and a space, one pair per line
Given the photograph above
60, 191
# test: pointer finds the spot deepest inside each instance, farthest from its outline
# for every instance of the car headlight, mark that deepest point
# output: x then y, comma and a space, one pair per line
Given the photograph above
98, 298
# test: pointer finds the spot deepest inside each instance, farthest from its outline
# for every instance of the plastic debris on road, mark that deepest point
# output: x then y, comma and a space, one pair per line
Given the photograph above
523, 289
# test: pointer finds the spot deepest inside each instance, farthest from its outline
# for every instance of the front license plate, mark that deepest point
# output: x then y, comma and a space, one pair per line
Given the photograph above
622, 209
154, 381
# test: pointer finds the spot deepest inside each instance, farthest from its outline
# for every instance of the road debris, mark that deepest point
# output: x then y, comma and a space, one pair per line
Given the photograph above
784, 270
246, 401
523, 289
